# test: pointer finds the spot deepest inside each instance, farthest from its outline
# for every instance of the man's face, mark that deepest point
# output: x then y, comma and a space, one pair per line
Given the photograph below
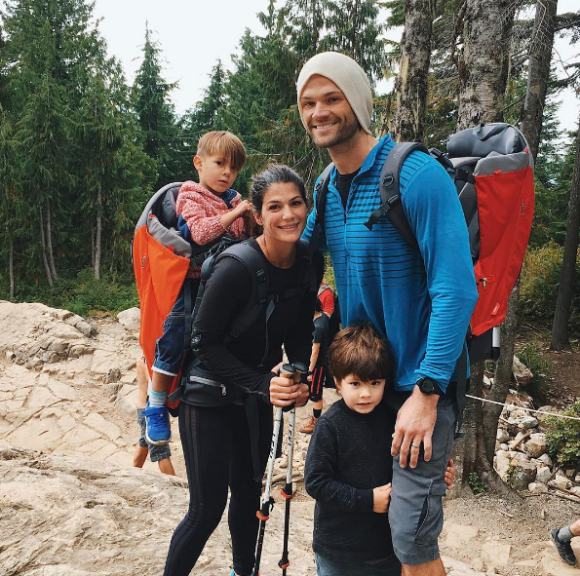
328, 117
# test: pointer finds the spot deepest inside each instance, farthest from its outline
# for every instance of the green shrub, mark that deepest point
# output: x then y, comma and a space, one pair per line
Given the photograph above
476, 484
539, 286
530, 354
83, 295
563, 438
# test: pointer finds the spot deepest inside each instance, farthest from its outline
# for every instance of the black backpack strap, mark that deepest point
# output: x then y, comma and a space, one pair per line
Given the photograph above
389, 186
188, 311
321, 191
255, 263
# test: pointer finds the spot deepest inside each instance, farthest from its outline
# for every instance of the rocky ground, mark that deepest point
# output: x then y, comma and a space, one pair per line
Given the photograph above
71, 504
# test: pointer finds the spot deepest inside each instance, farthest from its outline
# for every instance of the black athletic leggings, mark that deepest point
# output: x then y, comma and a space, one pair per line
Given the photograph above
216, 448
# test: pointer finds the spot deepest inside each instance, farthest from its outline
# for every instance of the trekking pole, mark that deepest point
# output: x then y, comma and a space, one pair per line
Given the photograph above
288, 490
263, 514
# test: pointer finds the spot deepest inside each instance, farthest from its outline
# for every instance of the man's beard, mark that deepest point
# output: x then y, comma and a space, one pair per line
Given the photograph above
345, 132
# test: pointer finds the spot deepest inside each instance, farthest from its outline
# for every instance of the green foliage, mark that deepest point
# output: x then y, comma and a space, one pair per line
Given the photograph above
531, 355
156, 114
477, 485
539, 285
83, 294
563, 437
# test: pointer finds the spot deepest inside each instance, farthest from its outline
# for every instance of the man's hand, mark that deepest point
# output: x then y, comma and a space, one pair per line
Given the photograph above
415, 424
283, 392
381, 498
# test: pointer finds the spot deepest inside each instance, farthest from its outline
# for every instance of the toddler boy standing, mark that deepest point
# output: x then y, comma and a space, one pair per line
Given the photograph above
349, 465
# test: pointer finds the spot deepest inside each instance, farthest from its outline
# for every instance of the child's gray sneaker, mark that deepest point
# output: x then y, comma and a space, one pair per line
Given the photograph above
564, 548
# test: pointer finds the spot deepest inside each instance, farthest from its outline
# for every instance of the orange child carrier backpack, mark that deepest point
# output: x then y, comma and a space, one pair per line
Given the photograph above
161, 259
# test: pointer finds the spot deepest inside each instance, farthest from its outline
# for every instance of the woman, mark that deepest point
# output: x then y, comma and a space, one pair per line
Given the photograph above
219, 444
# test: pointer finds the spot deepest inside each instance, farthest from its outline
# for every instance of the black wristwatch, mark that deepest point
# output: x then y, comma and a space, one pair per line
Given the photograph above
428, 387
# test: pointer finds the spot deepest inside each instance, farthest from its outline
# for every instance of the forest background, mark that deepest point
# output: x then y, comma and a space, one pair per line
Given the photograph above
81, 150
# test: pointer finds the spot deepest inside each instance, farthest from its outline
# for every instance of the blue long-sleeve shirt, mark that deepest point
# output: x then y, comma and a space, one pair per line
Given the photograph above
421, 302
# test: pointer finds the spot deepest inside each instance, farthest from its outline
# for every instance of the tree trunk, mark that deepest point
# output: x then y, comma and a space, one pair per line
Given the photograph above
504, 367
539, 72
532, 123
49, 243
412, 82
98, 237
11, 269
560, 340
43, 250
483, 68
483, 61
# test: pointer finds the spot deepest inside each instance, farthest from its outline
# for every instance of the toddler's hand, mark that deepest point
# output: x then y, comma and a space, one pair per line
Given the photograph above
381, 498
243, 207
450, 474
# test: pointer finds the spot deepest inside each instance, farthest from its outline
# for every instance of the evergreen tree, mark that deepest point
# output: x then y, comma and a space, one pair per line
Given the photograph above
354, 29
204, 116
307, 20
9, 207
156, 113
42, 141
261, 86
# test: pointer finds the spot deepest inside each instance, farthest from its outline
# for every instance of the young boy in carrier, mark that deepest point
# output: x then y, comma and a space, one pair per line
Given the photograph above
206, 212
349, 465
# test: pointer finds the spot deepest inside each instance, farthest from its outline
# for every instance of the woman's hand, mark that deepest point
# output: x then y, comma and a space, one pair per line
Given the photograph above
283, 392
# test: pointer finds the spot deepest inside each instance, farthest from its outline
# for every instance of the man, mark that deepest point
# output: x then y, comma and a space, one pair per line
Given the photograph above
421, 300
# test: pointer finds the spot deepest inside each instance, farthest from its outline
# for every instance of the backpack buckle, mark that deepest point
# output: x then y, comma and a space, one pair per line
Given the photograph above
392, 201
388, 180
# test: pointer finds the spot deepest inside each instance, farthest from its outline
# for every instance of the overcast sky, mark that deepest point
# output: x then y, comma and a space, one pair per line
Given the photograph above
194, 34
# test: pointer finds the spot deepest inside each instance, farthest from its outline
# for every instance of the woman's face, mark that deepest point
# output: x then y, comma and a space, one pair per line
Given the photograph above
283, 214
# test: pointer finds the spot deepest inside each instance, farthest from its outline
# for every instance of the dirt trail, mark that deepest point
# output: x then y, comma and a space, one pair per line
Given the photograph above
75, 506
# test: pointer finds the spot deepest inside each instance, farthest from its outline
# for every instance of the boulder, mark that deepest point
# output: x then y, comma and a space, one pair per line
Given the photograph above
520, 399
130, 319
522, 374
502, 436
503, 464
525, 422
544, 474
560, 481
537, 487
575, 490
535, 446
523, 474
545, 460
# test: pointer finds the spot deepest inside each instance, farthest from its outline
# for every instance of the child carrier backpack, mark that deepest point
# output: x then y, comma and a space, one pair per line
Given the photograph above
492, 169
161, 260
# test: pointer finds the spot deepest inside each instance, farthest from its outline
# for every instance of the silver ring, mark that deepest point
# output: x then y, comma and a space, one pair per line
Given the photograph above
415, 445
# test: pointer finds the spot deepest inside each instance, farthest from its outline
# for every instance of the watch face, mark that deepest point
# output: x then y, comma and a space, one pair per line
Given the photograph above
427, 386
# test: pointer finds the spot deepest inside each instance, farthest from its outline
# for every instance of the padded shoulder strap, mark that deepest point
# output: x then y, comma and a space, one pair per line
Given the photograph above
255, 263
321, 190
390, 189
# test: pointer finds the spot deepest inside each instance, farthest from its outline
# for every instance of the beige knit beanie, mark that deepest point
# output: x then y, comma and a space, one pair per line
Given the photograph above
348, 76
